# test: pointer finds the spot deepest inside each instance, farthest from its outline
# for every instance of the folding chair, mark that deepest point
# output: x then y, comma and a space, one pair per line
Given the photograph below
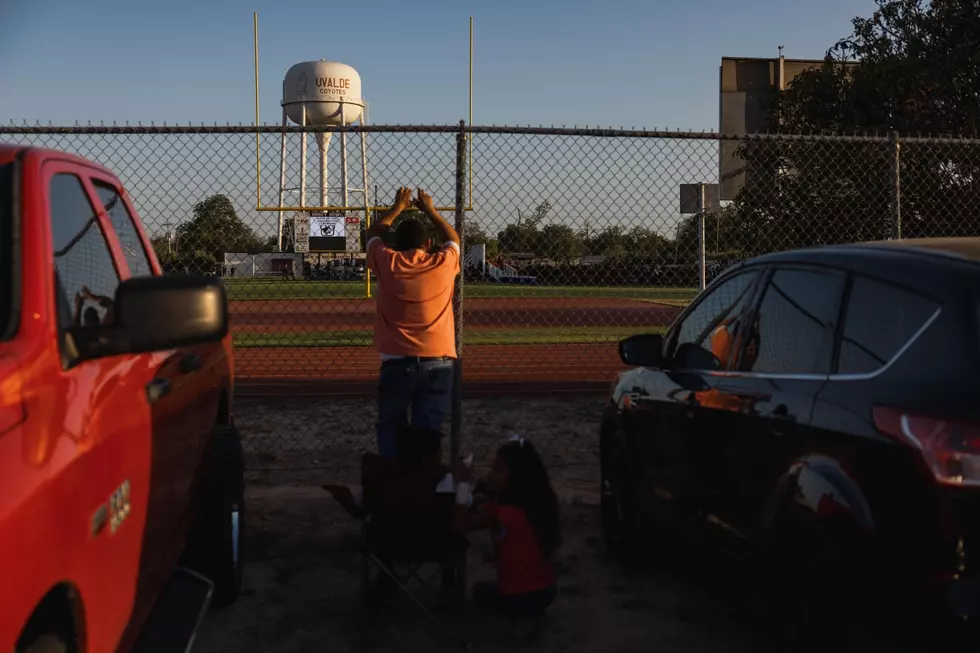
408, 526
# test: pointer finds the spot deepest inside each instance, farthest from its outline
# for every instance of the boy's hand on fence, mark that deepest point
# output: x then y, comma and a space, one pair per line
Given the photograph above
403, 198
423, 202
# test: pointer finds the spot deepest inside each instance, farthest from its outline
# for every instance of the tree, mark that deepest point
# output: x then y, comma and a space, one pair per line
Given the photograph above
214, 230
612, 242
522, 236
918, 74
473, 234
558, 242
645, 244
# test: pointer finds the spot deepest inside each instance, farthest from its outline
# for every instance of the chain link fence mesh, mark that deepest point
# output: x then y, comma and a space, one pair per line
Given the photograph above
573, 240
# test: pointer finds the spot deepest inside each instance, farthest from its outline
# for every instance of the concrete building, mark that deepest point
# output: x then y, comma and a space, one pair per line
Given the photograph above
744, 83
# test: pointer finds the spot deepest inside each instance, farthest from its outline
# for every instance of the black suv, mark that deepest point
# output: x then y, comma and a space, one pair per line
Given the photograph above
823, 407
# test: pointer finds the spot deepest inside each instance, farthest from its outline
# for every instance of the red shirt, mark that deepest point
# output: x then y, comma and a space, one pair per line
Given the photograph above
520, 566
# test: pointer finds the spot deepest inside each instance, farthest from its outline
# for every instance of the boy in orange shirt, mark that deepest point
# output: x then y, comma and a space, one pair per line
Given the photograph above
415, 333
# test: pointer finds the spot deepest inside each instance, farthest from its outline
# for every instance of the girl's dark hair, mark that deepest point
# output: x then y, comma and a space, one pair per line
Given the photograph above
529, 488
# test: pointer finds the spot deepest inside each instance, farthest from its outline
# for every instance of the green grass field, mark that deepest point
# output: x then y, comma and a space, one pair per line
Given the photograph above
264, 289
363, 337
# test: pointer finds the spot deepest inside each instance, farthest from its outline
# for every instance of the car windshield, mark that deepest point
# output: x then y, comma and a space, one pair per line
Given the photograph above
6, 243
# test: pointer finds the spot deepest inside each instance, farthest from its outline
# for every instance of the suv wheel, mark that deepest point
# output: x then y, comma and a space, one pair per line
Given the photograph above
618, 497
214, 544
811, 600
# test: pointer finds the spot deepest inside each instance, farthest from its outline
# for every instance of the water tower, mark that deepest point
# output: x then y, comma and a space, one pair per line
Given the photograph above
322, 93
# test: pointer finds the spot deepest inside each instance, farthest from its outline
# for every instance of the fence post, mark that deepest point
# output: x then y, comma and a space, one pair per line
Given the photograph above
456, 420
702, 263
896, 191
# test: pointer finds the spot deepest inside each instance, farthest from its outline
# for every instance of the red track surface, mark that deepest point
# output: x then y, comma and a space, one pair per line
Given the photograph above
355, 369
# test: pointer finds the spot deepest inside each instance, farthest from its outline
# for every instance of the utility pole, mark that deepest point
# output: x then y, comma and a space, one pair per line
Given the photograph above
167, 225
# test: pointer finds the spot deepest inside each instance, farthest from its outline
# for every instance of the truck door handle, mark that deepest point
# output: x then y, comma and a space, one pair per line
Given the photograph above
190, 363
157, 389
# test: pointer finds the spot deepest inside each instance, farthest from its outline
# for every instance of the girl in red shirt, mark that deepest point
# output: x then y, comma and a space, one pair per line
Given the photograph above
522, 517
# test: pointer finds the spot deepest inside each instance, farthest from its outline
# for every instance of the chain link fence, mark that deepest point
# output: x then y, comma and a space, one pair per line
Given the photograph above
573, 239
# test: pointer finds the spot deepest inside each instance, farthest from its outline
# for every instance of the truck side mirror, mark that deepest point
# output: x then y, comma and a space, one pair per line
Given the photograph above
156, 314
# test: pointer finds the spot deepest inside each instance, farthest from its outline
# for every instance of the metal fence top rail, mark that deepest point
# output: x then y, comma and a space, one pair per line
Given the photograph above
152, 130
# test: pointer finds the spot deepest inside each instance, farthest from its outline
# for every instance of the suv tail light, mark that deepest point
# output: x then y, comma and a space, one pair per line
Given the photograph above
950, 448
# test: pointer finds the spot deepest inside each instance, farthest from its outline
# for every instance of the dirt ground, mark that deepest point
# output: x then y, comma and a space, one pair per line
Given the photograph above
301, 593
301, 586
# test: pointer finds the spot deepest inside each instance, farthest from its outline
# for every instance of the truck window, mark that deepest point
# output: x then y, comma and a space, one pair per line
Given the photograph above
122, 223
7, 276
87, 277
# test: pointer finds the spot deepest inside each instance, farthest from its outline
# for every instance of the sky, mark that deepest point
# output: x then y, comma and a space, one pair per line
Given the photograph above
615, 63
540, 62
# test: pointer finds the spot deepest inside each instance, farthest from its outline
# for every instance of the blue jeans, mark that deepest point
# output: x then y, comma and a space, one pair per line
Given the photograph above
422, 386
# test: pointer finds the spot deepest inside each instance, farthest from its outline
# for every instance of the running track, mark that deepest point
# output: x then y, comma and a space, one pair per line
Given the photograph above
485, 367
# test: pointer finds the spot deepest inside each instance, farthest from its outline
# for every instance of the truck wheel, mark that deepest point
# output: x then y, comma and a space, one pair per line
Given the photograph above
215, 541
46, 643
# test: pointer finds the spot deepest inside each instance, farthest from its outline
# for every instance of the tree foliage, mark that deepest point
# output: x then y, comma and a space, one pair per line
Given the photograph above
912, 67
199, 245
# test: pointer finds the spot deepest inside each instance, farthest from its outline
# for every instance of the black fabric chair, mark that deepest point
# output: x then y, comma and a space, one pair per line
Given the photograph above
408, 527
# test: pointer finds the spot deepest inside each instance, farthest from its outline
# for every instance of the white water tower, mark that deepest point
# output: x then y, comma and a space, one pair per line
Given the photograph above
322, 93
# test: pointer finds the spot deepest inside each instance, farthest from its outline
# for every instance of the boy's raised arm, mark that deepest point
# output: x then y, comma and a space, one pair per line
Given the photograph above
403, 200
445, 230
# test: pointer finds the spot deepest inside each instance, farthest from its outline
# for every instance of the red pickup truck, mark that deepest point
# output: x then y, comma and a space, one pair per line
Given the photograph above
121, 482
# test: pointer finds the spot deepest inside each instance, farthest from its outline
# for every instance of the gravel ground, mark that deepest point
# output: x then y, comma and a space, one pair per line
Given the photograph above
301, 593
301, 588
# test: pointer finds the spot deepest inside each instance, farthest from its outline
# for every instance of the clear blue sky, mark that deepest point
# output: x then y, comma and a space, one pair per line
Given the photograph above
608, 63
613, 63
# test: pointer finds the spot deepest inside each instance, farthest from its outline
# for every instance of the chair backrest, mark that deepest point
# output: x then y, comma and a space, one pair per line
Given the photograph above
407, 519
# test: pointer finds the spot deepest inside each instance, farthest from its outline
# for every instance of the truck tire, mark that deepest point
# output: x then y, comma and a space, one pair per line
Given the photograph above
214, 544
46, 643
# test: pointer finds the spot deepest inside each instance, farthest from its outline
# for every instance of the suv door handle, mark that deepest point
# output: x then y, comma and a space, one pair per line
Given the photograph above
782, 412
190, 363
157, 389
780, 415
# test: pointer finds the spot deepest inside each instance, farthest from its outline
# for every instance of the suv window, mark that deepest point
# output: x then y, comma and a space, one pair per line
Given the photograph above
792, 332
86, 275
7, 272
711, 324
122, 223
881, 317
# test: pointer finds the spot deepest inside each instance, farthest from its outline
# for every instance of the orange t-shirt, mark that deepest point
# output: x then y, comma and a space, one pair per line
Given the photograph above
414, 312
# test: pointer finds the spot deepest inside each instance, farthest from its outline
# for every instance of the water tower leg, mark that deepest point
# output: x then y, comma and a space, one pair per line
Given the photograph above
324, 144
343, 156
302, 162
282, 178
